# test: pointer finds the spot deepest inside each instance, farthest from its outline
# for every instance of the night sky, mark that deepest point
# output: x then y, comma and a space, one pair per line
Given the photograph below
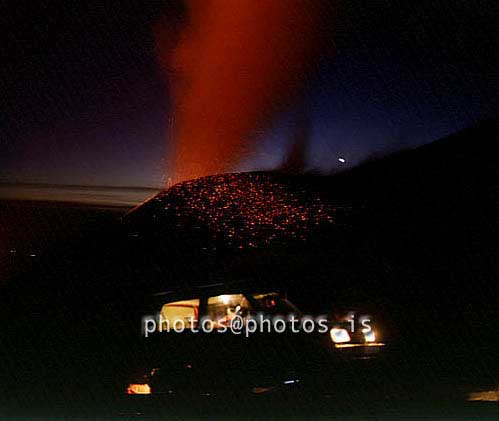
83, 100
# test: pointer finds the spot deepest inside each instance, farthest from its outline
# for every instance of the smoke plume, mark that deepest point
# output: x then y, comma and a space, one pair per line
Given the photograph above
295, 161
235, 64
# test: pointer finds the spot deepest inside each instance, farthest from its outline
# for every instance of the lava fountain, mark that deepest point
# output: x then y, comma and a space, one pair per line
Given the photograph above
234, 66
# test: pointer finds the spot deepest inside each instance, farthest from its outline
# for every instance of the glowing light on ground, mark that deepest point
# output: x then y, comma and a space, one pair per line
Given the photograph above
246, 210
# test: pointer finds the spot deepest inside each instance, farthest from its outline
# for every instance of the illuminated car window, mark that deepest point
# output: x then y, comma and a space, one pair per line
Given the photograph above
222, 308
179, 312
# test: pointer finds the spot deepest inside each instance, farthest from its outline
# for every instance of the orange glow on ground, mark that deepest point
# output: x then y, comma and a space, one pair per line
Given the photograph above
246, 210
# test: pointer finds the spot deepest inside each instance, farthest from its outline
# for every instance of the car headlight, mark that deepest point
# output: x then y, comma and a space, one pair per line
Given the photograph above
339, 335
369, 335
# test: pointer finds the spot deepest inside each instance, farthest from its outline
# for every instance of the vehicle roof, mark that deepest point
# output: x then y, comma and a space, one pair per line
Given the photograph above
241, 287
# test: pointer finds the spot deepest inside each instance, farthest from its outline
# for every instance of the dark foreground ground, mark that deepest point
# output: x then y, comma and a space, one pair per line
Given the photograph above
420, 246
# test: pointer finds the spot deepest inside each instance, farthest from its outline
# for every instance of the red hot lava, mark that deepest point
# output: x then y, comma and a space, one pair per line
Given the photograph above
245, 210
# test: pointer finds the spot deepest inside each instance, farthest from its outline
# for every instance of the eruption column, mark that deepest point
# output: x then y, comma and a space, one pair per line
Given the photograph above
235, 65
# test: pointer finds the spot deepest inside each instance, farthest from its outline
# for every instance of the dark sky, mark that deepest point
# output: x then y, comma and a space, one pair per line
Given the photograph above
82, 99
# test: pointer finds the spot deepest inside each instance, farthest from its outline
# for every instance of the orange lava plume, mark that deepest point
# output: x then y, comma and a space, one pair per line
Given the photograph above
235, 65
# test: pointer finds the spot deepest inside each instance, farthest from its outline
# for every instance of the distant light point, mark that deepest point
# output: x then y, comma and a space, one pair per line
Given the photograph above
342, 160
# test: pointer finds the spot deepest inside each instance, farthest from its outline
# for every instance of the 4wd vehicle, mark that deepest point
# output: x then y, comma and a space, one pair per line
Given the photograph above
191, 350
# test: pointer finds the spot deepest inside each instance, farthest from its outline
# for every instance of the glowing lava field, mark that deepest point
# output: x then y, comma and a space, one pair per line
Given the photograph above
242, 210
